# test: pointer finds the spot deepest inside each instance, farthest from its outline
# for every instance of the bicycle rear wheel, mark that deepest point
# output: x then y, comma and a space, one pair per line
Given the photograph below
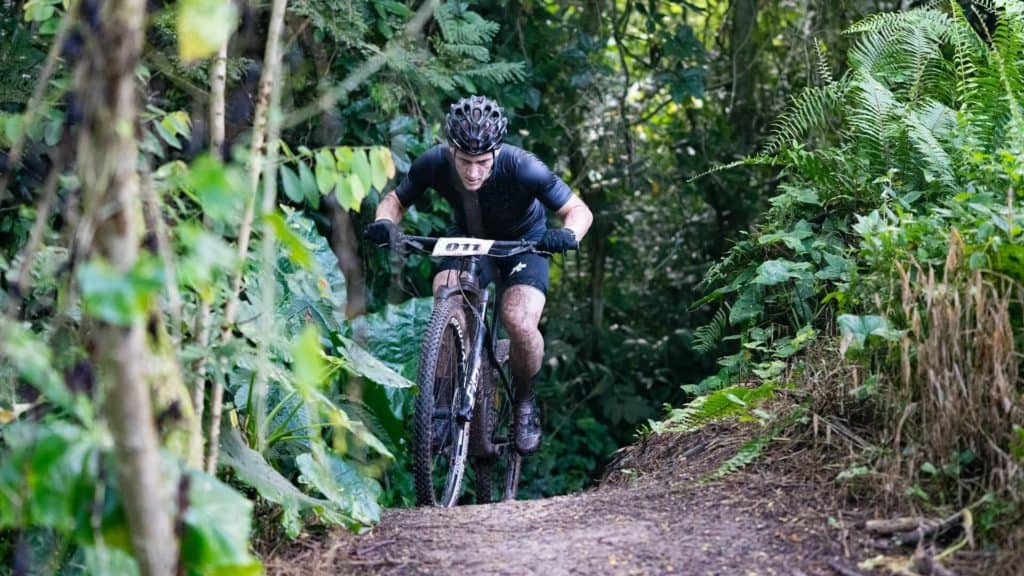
496, 462
440, 437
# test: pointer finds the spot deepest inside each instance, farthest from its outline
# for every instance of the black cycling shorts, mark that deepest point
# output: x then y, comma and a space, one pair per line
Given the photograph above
528, 269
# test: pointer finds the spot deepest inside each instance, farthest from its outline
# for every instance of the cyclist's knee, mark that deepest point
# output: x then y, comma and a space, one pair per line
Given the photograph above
521, 307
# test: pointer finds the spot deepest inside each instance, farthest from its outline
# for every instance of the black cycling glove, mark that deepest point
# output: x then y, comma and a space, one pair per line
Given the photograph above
382, 233
558, 241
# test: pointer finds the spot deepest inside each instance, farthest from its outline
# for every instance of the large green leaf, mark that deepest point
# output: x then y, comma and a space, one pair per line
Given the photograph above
340, 482
382, 166
251, 468
219, 189
394, 335
856, 330
203, 27
293, 242
361, 168
292, 185
308, 363
117, 297
356, 191
748, 306
217, 529
326, 173
108, 560
772, 272
793, 238
307, 183
205, 260
838, 268
361, 363
47, 475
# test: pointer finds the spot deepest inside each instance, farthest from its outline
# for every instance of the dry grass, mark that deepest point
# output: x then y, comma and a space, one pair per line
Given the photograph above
960, 382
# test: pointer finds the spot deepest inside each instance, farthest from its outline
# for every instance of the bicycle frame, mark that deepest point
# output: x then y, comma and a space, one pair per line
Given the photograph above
476, 387
477, 298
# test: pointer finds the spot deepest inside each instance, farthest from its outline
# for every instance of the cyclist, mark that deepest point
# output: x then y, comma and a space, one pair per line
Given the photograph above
500, 192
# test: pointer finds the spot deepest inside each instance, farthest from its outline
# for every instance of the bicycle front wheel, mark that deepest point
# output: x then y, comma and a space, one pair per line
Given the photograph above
440, 436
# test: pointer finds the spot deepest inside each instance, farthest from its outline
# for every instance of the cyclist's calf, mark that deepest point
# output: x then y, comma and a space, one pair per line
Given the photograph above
521, 308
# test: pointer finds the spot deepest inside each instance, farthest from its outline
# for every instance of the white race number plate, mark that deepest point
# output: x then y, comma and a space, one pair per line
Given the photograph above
462, 247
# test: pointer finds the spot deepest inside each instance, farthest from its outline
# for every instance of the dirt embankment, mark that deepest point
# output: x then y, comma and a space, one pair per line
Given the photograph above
652, 515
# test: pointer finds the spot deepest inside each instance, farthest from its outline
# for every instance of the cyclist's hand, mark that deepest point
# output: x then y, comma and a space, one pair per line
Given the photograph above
382, 233
558, 240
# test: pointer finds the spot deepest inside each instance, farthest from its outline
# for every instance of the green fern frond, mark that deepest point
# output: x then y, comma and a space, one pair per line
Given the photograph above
344, 21
438, 78
763, 159
807, 111
875, 114
753, 448
499, 72
473, 51
824, 70
933, 159
747, 453
707, 337
902, 47
968, 49
1007, 44
718, 405
461, 26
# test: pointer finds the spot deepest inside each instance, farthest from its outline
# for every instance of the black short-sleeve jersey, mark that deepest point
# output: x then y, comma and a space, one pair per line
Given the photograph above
511, 200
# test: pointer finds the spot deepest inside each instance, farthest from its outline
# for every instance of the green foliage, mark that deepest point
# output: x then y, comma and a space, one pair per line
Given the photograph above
348, 173
252, 469
856, 330
900, 172
31, 361
120, 297
219, 189
707, 337
731, 401
752, 449
60, 477
203, 27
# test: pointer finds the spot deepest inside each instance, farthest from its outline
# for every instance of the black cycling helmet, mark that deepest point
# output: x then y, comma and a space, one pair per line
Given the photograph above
476, 125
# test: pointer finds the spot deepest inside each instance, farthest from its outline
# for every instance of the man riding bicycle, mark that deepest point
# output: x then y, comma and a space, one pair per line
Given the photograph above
497, 191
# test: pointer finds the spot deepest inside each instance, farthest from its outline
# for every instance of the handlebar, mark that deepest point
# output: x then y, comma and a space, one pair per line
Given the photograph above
464, 246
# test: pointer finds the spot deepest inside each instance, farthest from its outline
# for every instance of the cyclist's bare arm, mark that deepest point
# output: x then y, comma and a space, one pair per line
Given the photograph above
575, 215
390, 208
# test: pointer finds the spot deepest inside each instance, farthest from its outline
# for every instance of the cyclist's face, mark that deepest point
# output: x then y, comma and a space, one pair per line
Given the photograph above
474, 170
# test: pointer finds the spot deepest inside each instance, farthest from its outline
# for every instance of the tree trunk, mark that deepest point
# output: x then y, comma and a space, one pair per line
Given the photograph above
343, 244
218, 89
106, 158
741, 115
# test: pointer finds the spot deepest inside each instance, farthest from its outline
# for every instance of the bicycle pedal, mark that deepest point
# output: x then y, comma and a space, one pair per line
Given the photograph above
501, 348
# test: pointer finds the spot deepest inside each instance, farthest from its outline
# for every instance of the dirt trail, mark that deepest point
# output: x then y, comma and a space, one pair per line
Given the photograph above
615, 531
761, 521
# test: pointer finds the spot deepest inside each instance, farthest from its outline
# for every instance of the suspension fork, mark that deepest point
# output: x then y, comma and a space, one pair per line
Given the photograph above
478, 301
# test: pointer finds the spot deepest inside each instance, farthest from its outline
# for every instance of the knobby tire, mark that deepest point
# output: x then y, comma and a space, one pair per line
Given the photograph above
440, 442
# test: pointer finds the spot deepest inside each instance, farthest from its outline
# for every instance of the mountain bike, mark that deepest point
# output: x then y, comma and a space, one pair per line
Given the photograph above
464, 408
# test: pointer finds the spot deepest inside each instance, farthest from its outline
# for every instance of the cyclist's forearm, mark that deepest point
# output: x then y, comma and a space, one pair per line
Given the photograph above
576, 216
390, 208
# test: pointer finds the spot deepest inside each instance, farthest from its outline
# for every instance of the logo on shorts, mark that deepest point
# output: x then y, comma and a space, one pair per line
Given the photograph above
518, 267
